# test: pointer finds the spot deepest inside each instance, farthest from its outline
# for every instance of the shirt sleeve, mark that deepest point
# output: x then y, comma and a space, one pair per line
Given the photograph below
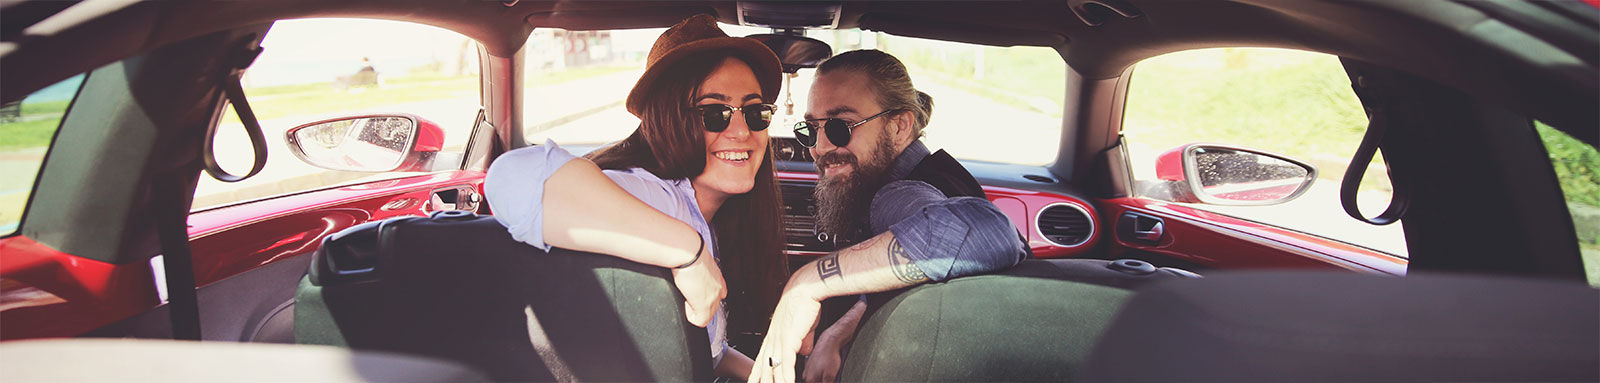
946, 237
515, 184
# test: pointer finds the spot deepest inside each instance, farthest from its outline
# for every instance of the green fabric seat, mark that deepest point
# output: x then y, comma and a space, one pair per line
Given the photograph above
1026, 324
457, 287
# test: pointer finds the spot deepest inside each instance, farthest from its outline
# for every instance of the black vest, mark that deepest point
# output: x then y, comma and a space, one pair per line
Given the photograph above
952, 179
947, 175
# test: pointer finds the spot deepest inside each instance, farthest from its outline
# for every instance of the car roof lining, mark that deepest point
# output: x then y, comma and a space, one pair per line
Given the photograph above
1425, 38
1444, 41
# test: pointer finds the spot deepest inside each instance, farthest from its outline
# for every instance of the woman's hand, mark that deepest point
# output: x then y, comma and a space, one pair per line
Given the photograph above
789, 334
702, 287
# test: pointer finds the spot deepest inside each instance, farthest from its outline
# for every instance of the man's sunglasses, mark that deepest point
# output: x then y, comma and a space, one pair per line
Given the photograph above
838, 130
717, 116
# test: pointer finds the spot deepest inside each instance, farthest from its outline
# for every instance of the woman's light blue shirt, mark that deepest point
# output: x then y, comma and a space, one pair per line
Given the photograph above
515, 191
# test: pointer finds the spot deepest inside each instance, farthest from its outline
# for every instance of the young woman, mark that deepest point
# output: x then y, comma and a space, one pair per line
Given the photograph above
692, 189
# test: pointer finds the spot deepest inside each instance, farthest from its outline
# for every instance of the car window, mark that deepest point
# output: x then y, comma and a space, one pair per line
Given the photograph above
26, 128
318, 69
984, 97
1577, 168
1293, 103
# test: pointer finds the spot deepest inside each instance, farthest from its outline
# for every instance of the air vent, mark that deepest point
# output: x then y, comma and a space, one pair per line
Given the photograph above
799, 223
1065, 224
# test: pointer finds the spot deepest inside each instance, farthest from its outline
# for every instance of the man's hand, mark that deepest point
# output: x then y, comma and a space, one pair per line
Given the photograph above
870, 266
702, 287
823, 367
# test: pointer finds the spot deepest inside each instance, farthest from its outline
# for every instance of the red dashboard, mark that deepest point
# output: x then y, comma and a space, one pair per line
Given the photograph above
1023, 207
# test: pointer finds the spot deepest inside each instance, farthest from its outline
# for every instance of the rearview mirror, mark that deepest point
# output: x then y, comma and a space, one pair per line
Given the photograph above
794, 51
372, 143
1224, 175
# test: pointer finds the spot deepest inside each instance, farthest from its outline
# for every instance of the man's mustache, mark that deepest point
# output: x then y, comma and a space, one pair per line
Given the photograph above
835, 158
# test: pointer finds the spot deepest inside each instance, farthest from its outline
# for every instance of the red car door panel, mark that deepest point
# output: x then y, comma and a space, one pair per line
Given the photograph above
1224, 242
53, 294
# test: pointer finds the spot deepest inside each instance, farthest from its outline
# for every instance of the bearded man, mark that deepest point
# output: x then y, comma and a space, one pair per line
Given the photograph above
912, 216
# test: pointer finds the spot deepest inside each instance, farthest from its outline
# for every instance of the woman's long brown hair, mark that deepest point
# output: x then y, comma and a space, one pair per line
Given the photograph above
670, 144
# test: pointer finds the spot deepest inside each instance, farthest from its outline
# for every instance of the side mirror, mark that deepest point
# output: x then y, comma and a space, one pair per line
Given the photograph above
372, 143
1224, 175
794, 51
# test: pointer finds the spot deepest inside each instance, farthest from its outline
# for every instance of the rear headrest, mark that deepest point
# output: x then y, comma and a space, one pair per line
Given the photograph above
1318, 326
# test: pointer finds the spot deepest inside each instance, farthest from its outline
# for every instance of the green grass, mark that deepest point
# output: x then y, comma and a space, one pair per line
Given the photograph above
27, 134
34, 127
1591, 261
1577, 165
1299, 104
1018, 76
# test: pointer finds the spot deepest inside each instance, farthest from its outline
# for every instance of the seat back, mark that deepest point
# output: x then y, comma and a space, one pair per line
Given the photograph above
456, 286
1320, 326
1037, 321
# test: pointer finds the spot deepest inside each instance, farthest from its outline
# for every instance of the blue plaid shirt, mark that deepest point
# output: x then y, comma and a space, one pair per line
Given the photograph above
946, 237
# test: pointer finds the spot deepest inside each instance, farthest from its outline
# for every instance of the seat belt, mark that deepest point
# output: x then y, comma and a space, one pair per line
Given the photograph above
183, 306
172, 221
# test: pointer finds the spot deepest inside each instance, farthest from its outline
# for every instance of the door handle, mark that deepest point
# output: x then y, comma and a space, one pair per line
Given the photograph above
1152, 234
1141, 229
455, 198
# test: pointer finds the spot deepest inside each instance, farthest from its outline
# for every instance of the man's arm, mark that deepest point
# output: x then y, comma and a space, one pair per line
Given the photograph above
878, 264
937, 238
734, 365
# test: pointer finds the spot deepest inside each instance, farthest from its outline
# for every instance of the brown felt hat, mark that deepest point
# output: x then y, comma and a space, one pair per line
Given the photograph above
700, 34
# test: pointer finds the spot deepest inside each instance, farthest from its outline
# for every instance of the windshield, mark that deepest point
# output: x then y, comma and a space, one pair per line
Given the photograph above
999, 104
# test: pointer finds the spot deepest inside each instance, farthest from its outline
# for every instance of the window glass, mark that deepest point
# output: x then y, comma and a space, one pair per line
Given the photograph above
984, 97
317, 69
1293, 103
26, 129
1577, 168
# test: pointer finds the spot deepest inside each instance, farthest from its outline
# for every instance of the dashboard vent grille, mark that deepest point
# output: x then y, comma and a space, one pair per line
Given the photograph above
1065, 224
799, 223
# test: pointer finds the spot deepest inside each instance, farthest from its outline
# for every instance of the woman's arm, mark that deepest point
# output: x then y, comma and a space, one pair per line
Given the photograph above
585, 211
546, 197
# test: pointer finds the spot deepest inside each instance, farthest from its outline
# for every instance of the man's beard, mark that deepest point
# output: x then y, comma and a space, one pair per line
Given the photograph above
844, 202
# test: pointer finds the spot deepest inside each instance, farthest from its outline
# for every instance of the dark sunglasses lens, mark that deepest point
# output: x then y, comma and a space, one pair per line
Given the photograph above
758, 117
806, 133
715, 117
838, 132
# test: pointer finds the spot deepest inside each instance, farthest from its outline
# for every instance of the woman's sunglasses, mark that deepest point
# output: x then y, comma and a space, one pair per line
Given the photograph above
717, 116
838, 130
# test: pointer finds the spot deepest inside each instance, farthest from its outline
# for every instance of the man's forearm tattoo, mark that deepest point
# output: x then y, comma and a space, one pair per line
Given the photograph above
828, 267
904, 268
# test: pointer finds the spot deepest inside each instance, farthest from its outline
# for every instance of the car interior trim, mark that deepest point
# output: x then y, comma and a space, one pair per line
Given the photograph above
1088, 216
